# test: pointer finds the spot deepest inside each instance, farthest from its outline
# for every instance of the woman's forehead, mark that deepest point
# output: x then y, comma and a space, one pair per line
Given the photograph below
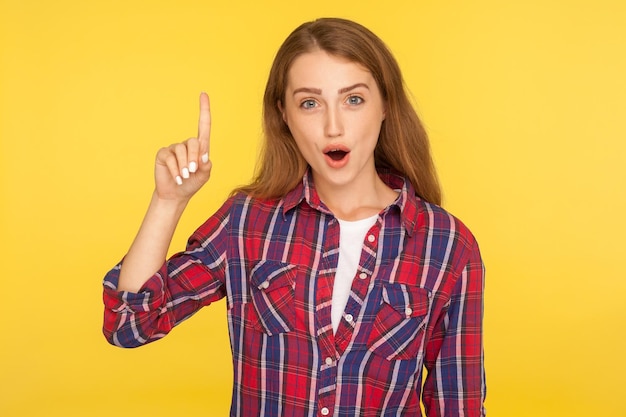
322, 70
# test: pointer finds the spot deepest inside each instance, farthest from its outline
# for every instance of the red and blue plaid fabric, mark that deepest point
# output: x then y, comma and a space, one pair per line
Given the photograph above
416, 302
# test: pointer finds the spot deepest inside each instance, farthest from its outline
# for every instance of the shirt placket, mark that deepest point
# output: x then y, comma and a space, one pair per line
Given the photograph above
359, 289
323, 302
332, 346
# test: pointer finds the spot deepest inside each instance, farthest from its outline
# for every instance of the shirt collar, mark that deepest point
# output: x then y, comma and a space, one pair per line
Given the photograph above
406, 203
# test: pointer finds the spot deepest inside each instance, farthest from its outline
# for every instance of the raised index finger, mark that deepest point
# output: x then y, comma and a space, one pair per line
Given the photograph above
204, 124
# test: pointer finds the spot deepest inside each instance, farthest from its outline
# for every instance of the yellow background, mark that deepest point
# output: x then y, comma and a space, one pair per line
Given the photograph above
525, 102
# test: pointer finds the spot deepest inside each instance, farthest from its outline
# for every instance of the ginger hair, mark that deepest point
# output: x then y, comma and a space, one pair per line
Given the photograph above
403, 144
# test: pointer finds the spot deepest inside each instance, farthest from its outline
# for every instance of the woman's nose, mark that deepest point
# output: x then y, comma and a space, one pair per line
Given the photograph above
334, 123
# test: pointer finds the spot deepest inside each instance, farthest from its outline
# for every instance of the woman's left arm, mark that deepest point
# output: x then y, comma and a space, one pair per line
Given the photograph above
455, 384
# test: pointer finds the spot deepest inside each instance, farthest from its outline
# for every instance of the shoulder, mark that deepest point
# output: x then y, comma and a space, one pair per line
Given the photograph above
435, 217
242, 202
444, 232
243, 211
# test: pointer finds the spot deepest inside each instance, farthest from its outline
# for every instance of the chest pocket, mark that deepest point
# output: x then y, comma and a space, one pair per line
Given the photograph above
272, 285
398, 329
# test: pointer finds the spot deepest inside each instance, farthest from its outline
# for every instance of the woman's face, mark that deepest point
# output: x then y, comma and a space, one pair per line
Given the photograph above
334, 110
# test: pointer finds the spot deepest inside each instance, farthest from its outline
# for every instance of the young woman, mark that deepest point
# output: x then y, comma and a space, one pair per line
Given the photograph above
343, 277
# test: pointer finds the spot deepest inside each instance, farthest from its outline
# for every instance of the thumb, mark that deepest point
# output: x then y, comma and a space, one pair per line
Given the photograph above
204, 170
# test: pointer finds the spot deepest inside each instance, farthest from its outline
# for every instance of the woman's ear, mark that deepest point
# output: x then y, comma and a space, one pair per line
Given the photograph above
279, 104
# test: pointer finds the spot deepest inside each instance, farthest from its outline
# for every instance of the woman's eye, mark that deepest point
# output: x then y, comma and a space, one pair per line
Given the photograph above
353, 100
308, 104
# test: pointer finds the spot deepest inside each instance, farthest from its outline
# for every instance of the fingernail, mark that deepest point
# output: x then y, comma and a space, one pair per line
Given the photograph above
205, 158
193, 167
185, 173
179, 180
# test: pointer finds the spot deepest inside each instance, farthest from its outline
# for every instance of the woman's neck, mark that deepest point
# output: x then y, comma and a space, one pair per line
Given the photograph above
352, 202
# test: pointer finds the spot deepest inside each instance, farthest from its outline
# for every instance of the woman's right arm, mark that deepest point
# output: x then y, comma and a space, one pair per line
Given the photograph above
180, 171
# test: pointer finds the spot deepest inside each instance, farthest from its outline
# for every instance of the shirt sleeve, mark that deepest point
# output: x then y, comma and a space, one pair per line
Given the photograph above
455, 383
187, 282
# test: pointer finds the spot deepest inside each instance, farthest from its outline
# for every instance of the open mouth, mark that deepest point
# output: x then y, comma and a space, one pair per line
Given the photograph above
337, 154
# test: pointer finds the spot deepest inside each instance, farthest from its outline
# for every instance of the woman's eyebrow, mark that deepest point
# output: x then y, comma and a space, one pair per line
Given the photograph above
352, 87
318, 91
307, 90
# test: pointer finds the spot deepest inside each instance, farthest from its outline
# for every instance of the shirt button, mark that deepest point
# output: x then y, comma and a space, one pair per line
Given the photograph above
371, 238
349, 318
265, 285
329, 361
325, 411
362, 275
408, 311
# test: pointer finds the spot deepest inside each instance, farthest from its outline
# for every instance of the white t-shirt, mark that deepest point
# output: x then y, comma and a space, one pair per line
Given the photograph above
351, 236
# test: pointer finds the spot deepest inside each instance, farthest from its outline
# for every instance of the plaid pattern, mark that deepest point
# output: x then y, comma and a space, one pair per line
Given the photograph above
416, 301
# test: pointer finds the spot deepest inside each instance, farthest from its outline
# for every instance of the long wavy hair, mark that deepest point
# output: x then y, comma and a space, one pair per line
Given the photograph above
403, 144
